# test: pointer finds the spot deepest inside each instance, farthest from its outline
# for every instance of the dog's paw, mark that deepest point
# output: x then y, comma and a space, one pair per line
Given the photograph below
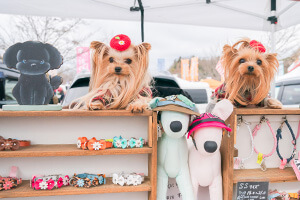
96, 105
274, 103
137, 107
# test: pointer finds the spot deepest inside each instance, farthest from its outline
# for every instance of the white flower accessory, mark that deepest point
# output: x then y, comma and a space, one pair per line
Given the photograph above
43, 185
66, 181
118, 143
121, 180
138, 143
130, 180
115, 178
97, 145
78, 144
121, 42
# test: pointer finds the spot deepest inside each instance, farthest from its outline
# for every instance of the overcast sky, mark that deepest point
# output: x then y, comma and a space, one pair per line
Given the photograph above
168, 41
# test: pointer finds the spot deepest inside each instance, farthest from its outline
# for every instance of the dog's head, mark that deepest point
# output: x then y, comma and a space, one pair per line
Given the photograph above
32, 58
248, 68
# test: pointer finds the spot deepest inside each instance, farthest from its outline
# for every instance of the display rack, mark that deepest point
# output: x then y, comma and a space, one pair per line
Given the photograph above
39, 150
231, 176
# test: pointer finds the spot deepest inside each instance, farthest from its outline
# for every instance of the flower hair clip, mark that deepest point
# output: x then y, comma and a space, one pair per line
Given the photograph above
88, 180
127, 179
119, 142
93, 144
7, 183
49, 182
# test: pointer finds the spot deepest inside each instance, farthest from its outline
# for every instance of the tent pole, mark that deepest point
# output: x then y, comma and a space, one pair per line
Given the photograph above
273, 20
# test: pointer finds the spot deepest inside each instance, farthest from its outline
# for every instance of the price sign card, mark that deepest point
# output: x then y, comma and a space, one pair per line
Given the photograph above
252, 190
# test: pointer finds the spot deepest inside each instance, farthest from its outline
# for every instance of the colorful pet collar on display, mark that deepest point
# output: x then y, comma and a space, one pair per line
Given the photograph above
119, 142
284, 161
49, 182
7, 183
127, 179
120, 42
207, 120
177, 103
12, 144
93, 144
88, 180
239, 162
258, 46
261, 157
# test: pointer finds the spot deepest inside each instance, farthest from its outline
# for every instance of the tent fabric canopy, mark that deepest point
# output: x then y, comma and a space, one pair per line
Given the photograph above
244, 14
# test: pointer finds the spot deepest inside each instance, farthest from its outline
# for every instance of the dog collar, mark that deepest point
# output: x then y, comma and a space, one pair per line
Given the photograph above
87, 180
119, 142
93, 144
7, 183
49, 182
120, 42
12, 144
239, 162
284, 161
261, 157
127, 179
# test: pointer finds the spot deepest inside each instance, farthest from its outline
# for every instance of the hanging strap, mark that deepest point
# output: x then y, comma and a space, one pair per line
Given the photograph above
262, 156
239, 162
279, 137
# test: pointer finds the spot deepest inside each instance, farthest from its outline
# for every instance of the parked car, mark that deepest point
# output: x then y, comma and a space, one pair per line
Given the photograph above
8, 80
200, 92
163, 85
288, 90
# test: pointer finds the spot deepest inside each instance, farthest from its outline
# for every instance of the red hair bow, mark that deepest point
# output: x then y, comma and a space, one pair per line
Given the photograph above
258, 46
120, 42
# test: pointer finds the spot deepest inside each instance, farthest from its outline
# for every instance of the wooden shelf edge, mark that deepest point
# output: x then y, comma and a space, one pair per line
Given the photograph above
266, 111
72, 113
24, 190
272, 175
69, 150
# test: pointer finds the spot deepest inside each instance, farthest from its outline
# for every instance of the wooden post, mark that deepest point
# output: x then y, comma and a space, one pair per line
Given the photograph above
152, 160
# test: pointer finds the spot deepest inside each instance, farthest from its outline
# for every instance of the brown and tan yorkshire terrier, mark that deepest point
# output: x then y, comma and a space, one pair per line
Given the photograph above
249, 71
119, 77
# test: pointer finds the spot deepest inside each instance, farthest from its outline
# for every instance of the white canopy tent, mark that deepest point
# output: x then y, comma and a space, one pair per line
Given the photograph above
261, 15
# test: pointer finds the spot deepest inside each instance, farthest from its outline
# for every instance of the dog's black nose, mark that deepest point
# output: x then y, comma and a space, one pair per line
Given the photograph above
176, 126
210, 146
33, 65
118, 69
250, 68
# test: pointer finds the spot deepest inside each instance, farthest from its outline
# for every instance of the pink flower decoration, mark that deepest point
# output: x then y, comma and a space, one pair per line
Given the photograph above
7, 185
66, 180
60, 182
50, 183
37, 184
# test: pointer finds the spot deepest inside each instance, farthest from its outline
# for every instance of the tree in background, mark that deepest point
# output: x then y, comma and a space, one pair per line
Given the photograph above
61, 33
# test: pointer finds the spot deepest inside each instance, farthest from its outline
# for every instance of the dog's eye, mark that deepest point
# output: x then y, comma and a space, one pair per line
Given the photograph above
24, 61
128, 61
42, 62
259, 62
242, 60
111, 59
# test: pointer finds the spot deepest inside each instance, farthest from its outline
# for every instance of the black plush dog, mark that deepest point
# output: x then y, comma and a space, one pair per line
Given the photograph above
34, 60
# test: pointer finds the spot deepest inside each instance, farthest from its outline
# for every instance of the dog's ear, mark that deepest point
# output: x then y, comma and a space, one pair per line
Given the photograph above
272, 60
99, 46
229, 52
10, 55
56, 59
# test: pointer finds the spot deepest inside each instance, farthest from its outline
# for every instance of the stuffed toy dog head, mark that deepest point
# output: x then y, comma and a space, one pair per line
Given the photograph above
32, 58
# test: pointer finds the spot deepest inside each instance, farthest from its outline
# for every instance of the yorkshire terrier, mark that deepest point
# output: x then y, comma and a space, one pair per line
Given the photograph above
119, 77
249, 71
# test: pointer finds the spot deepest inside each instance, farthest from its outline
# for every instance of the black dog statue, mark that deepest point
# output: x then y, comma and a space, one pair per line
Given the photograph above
34, 60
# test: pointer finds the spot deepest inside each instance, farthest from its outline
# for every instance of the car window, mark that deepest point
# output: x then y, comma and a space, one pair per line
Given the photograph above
291, 95
198, 95
9, 86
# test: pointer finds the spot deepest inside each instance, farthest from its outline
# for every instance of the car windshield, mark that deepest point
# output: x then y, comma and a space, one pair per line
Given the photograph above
291, 95
9, 85
198, 95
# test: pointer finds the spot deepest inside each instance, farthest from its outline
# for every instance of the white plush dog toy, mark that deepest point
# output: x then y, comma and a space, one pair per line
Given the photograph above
205, 158
172, 161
